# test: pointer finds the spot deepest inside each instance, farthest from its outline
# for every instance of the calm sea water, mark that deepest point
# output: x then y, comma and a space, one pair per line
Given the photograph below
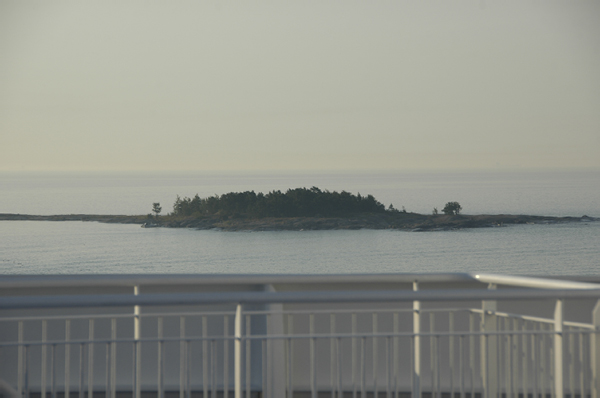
28, 247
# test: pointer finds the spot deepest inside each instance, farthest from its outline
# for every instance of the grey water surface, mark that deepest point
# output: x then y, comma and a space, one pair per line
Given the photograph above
43, 247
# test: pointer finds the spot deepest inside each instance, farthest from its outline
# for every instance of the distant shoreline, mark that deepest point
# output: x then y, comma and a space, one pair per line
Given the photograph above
398, 221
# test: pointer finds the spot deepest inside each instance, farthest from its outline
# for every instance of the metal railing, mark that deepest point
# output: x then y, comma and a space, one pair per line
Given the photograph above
306, 343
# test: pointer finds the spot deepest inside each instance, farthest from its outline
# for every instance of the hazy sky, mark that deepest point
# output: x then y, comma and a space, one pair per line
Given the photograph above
299, 85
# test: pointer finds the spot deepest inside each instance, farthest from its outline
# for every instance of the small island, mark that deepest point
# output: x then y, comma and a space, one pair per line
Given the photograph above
302, 209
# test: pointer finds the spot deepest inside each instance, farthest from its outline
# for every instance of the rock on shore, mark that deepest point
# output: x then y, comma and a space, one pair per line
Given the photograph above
401, 221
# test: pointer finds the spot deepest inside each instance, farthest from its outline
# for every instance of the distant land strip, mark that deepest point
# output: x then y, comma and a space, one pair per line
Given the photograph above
389, 220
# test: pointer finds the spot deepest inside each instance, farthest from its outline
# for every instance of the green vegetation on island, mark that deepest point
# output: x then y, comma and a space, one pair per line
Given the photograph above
299, 202
301, 209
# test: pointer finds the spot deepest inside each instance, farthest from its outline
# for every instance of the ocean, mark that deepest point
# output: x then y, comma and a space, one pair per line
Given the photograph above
43, 247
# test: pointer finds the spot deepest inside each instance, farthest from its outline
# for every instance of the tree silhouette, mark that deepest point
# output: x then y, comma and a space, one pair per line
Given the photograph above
452, 208
156, 209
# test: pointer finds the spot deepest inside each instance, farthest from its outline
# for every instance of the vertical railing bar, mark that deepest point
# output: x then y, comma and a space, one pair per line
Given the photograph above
396, 357
188, 369
67, 387
571, 341
535, 360
265, 392
551, 367
499, 356
248, 368
133, 369
52, 371
517, 369
363, 370
290, 387
20, 369
332, 355
558, 349
508, 360
416, 351
490, 357
513, 362
226, 357
388, 367
312, 365
290, 367
44, 359
107, 375
438, 371
182, 355
412, 366
549, 341
461, 371
487, 373
451, 351
286, 355
472, 353
592, 377
137, 334
502, 357
26, 361
205, 356
237, 347
268, 356
160, 358
353, 342
213, 368
375, 356
543, 367
339, 367
524, 362
113, 358
581, 365
81, 370
433, 354
90, 367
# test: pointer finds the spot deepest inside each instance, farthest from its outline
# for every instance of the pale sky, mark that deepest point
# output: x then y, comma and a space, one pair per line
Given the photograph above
299, 85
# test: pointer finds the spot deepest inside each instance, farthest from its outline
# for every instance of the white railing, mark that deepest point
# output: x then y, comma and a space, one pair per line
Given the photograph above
321, 343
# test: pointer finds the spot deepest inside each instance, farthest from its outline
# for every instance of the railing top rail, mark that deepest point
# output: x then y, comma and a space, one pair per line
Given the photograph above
117, 300
130, 280
541, 283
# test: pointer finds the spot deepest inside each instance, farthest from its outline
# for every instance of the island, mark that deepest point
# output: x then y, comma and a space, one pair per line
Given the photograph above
302, 209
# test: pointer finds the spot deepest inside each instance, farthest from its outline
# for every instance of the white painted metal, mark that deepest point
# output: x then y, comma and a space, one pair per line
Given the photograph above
539, 283
558, 349
370, 355
595, 352
237, 345
416, 349
489, 347
137, 348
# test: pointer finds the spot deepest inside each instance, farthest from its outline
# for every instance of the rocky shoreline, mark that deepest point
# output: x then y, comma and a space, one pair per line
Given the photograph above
399, 221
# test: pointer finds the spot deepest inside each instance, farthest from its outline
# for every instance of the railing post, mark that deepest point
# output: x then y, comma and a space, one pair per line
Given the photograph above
558, 348
595, 351
489, 347
138, 351
275, 350
237, 348
417, 346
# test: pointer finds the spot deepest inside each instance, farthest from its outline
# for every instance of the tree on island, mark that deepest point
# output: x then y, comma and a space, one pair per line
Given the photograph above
298, 202
452, 208
156, 209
